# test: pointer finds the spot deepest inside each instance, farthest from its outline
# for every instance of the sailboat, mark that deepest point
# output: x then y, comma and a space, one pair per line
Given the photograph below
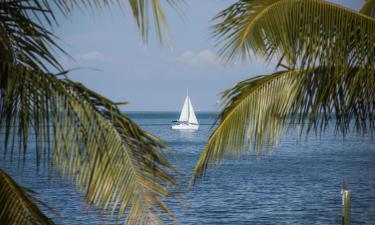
187, 120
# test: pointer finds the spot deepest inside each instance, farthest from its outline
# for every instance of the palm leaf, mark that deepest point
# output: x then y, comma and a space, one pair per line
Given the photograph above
16, 205
23, 38
116, 164
249, 114
25, 27
368, 8
142, 11
257, 111
302, 33
333, 48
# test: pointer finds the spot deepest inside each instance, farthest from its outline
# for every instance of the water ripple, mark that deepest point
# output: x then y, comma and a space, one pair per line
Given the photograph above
297, 183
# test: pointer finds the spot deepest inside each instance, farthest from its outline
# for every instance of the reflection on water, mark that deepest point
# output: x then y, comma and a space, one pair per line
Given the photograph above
296, 184
188, 135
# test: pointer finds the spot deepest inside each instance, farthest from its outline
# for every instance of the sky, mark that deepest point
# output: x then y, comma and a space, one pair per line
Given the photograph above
109, 57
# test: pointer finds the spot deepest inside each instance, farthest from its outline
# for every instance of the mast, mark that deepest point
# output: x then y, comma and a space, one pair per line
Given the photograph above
187, 94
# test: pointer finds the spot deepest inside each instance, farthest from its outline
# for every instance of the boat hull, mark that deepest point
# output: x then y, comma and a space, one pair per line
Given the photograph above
185, 127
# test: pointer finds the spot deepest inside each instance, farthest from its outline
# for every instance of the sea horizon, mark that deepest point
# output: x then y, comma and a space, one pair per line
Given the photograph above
167, 111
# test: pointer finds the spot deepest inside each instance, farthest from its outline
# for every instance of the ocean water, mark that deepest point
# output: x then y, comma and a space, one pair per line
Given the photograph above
297, 183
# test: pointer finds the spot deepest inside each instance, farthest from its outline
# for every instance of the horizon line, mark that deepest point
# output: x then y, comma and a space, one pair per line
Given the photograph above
197, 111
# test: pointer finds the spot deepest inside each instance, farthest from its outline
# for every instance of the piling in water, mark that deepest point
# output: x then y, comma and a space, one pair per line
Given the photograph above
346, 202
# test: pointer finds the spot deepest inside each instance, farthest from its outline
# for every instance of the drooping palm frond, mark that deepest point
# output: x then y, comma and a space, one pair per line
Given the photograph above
26, 38
23, 38
248, 117
368, 8
116, 164
304, 33
16, 205
142, 11
257, 111
332, 46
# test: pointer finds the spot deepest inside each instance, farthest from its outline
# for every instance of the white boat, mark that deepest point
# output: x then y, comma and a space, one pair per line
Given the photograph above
187, 120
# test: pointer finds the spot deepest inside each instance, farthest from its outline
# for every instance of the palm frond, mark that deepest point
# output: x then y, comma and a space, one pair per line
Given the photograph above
26, 38
254, 111
368, 8
235, 23
257, 111
116, 164
142, 11
305, 33
16, 205
23, 38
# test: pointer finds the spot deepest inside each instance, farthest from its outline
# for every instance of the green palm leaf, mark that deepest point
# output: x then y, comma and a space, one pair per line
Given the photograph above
116, 164
16, 205
23, 38
25, 26
142, 11
254, 112
257, 111
333, 48
302, 33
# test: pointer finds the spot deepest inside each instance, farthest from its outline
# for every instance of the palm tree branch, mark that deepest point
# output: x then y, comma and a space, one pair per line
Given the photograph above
306, 33
23, 38
256, 111
25, 26
116, 164
241, 109
242, 9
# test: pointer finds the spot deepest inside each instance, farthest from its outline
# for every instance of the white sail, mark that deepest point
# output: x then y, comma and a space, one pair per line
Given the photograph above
192, 117
187, 120
184, 116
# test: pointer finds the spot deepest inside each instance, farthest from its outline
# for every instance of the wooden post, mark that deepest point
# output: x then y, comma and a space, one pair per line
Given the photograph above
346, 202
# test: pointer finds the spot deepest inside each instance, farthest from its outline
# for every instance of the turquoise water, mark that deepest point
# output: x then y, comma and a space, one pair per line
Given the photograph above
299, 183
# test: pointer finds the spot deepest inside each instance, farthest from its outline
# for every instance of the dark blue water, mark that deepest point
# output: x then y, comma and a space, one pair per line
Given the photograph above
298, 183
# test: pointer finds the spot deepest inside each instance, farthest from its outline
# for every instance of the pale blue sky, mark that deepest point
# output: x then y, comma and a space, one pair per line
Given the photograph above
114, 62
